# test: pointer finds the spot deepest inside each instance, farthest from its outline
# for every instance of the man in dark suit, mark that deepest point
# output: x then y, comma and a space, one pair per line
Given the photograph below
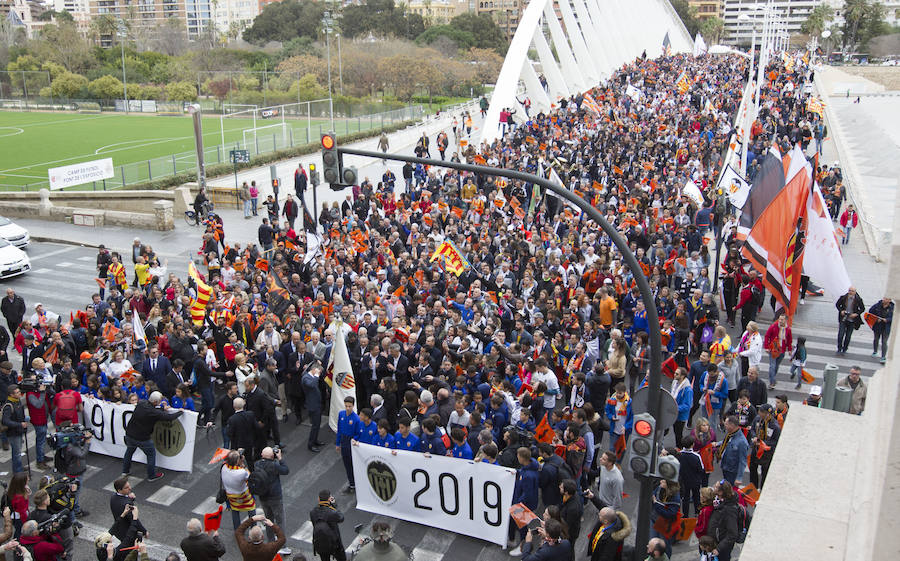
30, 351
202, 375
297, 363
242, 429
378, 410
156, 368
175, 376
200, 545
265, 355
374, 368
310, 383
263, 408
120, 505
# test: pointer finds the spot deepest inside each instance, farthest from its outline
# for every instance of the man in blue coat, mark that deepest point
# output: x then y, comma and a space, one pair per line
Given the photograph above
310, 384
732, 451
526, 492
347, 431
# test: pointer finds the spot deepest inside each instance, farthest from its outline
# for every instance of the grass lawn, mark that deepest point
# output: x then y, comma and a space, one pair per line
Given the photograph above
140, 146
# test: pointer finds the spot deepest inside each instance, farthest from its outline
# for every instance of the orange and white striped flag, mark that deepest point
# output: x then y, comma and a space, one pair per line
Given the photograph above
684, 83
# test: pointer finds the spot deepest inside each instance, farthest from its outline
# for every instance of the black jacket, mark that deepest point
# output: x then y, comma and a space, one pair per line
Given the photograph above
121, 524
225, 405
13, 310
326, 534
202, 547
570, 511
725, 525
690, 475
13, 417
844, 313
262, 406
274, 469
145, 417
242, 430
202, 373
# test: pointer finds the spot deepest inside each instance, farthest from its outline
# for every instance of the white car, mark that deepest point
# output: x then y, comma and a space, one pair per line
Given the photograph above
13, 261
13, 233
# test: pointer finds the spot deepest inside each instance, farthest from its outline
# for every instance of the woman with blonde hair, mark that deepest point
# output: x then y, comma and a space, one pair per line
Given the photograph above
234, 476
242, 371
707, 494
751, 347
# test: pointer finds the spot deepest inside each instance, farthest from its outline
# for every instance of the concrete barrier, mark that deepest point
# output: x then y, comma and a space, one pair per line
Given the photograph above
87, 208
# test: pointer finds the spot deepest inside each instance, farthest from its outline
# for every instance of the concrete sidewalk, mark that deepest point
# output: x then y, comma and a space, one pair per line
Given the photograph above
866, 137
184, 240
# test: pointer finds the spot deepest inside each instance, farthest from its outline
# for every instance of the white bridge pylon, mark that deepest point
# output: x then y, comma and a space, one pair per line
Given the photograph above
594, 39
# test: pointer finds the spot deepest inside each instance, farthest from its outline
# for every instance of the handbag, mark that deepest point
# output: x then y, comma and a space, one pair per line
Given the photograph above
221, 497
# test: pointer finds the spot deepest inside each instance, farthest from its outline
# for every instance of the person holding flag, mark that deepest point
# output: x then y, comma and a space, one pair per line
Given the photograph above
879, 318
343, 419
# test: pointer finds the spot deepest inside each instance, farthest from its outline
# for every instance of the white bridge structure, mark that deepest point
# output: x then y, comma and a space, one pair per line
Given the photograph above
596, 38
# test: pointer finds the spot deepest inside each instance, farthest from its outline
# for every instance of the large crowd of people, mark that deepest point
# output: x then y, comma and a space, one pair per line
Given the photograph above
544, 330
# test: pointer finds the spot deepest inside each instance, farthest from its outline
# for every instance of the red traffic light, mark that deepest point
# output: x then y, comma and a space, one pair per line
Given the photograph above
643, 428
327, 141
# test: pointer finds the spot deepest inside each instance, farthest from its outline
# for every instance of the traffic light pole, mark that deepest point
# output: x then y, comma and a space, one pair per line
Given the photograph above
653, 390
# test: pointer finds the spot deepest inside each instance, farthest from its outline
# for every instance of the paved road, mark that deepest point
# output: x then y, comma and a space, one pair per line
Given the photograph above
63, 279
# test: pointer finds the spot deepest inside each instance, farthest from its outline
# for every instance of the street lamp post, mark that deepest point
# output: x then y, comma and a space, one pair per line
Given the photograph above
326, 22
122, 36
654, 394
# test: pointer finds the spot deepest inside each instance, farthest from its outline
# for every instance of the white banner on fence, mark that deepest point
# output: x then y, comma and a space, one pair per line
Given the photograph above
78, 174
174, 440
457, 495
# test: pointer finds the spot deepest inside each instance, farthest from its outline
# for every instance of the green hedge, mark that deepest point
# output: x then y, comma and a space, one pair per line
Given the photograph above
218, 170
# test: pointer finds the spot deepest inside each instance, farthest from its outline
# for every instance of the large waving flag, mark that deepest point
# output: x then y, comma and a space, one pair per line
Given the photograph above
278, 296
823, 262
683, 83
137, 327
204, 292
667, 45
699, 45
815, 105
339, 375
734, 186
590, 103
775, 224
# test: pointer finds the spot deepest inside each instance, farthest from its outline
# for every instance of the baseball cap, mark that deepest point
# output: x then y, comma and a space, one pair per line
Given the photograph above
815, 390
85, 355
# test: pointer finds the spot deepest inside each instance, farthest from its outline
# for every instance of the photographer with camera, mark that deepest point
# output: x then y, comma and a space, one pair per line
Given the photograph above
42, 546
38, 403
265, 483
72, 444
14, 424
52, 523
124, 511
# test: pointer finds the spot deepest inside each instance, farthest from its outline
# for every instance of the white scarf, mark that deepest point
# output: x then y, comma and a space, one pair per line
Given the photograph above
678, 386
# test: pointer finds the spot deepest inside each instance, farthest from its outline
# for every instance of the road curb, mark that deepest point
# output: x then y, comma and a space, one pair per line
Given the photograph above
46, 239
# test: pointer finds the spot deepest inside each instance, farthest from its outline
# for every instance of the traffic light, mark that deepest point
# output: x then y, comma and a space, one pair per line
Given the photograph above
348, 177
313, 175
667, 468
640, 447
330, 159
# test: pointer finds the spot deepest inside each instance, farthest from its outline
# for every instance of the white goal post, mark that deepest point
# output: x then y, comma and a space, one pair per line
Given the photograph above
251, 135
231, 108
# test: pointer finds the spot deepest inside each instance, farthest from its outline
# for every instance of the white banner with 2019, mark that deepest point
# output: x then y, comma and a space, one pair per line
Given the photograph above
174, 440
457, 495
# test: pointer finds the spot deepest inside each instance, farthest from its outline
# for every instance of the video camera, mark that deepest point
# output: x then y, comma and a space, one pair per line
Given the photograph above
74, 434
61, 492
59, 521
29, 384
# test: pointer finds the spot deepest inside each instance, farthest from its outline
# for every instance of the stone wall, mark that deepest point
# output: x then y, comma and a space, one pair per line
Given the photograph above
129, 209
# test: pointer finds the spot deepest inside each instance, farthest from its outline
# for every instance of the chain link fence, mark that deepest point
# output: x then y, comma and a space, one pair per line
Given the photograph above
295, 132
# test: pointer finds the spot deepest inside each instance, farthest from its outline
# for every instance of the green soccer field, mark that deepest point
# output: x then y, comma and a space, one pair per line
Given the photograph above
141, 146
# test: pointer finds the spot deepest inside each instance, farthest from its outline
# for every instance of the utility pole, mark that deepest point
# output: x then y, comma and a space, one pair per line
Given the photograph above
122, 35
326, 23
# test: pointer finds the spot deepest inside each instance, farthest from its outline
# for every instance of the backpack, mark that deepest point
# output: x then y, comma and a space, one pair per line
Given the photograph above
757, 299
67, 405
744, 519
4, 428
563, 472
258, 482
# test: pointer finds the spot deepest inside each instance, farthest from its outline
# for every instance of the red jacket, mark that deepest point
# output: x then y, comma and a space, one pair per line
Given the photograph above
44, 550
771, 340
849, 216
38, 415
